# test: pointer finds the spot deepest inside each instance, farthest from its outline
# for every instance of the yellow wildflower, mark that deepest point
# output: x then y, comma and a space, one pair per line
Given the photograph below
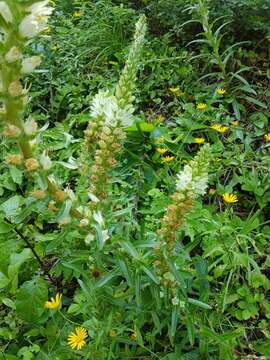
220, 91
199, 140
77, 14
229, 198
161, 150
77, 339
112, 333
54, 303
167, 159
133, 336
235, 123
201, 106
219, 128
160, 140
160, 119
212, 191
176, 91
267, 137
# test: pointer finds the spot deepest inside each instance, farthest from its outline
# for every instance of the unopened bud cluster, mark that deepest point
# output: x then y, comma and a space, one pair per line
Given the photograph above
191, 182
110, 114
109, 146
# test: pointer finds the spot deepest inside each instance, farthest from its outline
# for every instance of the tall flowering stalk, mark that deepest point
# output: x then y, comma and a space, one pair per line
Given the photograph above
21, 22
111, 113
191, 182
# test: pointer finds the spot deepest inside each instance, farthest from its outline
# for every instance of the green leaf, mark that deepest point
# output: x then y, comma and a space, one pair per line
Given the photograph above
16, 260
199, 303
16, 174
143, 126
150, 274
174, 320
4, 280
5, 228
30, 301
11, 205
256, 102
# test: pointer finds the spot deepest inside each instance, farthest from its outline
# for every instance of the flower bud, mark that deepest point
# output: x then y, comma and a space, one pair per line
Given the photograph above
29, 64
5, 12
13, 55
15, 159
30, 127
51, 206
38, 194
11, 131
15, 88
45, 161
31, 164
84, 222
60, 195
89, 238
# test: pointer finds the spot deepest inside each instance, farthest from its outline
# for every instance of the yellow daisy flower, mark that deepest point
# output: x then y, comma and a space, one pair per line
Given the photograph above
54, 303
77, 338
176, 91
267, 137
229, 198
161, 150
220, 91
167, 159
77, 14
235, 123
199, 140
219, 128
212, 191
201, 106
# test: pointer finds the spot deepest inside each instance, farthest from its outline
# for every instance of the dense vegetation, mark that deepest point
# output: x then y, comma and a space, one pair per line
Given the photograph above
135, 184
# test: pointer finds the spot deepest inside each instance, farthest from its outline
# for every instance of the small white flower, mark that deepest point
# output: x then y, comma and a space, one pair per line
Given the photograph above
175, 301
93, 198
70, 194
84, 222
97, 216
45, 161
36, 22
5, 12
89, 238
30, 126
99, 103
184, 178
199, 184
29, 64
105, 236
15, 88
13, 55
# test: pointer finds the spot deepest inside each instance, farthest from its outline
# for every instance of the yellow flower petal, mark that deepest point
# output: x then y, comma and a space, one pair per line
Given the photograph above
267, 137
230, 198
77, 338
161, 150
199, 140
219, 128
167, 159
201, 106
220, 91
54, 303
